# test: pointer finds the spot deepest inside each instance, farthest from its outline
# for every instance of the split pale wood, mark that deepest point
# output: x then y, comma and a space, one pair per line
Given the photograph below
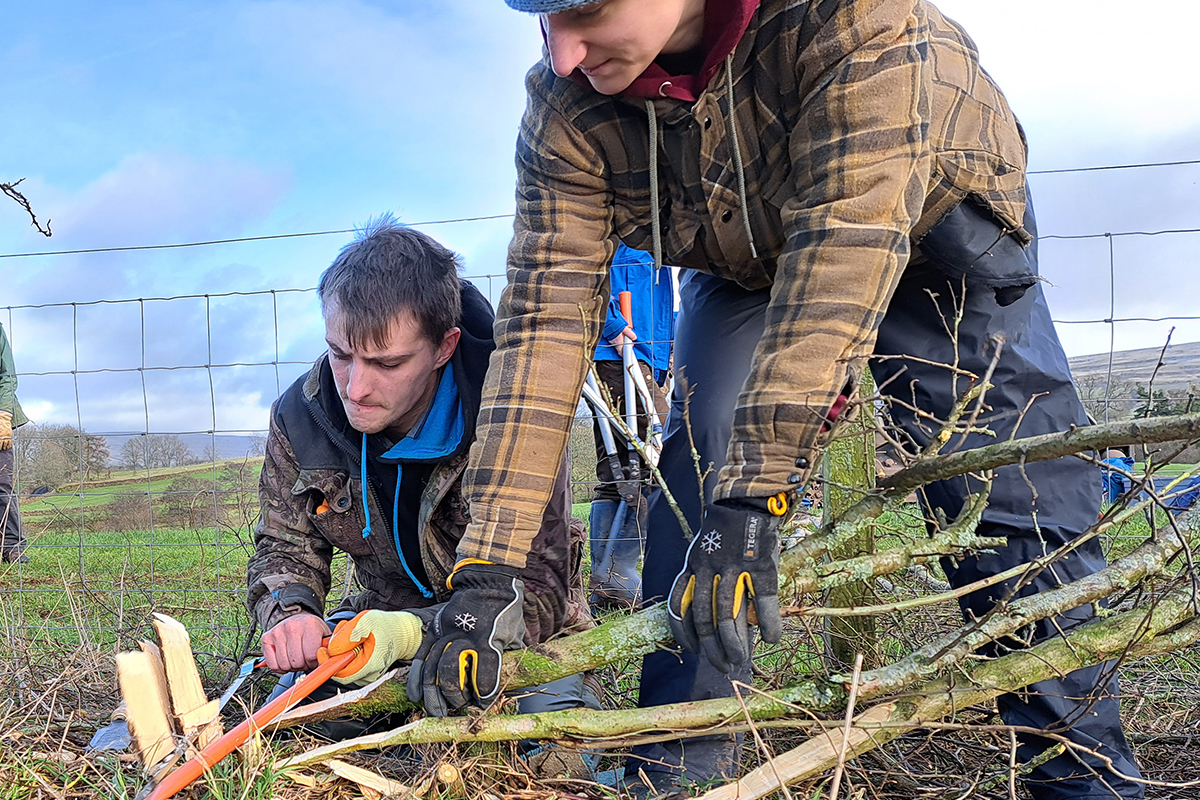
160, 677
146, 705
815, 755
200, 717
366, 779
307, 781
197, 717
304, 711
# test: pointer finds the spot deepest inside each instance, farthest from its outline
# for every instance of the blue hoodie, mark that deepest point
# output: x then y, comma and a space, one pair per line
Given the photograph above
438, 435
653, 309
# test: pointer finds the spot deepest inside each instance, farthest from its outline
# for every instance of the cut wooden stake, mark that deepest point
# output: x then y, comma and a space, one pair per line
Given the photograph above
817, 754
449, 777
183, 682
146, 705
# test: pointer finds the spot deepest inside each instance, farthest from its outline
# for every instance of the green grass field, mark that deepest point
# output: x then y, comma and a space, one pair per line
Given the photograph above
97, 573
106, 556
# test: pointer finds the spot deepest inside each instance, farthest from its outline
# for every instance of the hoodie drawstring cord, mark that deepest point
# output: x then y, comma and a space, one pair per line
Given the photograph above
738, 166
656, 227
395, 519
731, 124
396, 535
366, 505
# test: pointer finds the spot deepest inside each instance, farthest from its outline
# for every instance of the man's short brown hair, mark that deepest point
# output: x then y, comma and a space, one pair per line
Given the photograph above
388, 269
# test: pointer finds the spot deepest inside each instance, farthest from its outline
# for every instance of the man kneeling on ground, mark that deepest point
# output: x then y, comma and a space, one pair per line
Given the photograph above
366, 454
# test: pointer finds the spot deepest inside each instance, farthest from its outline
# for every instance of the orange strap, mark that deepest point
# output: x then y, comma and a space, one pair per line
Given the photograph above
466, 562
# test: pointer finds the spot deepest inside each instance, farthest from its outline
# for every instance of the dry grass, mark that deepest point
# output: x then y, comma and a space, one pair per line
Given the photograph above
55, 696
57, 688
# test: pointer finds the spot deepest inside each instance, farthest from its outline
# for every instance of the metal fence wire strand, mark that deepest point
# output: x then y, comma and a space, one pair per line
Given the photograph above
136, 538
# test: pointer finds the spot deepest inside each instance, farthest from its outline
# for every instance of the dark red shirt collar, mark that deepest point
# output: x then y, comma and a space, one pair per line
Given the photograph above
725, 21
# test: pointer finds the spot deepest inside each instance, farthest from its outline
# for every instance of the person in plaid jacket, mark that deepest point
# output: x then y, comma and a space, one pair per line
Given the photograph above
844, 187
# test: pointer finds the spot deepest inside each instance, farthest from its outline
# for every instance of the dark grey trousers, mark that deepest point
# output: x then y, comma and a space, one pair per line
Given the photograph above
718, 327
10, 515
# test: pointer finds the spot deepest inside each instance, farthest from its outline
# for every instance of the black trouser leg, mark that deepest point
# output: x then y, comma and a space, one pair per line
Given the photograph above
718, 327
10, 514
1083, 705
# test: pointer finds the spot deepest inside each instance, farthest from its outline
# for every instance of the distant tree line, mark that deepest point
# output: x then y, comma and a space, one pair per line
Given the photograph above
57, 455
53, 455
1132, 399
156, 450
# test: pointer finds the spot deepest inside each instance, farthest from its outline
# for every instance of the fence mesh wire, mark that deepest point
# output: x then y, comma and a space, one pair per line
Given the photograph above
139, 475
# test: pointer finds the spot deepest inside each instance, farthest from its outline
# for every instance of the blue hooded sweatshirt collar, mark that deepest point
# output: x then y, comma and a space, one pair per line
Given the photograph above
437, 435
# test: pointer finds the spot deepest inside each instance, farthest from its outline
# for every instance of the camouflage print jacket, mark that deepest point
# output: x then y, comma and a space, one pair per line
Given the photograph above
312, 462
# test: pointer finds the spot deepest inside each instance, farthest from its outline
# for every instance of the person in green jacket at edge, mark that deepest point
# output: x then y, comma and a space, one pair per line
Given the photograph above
11, 417
836, 179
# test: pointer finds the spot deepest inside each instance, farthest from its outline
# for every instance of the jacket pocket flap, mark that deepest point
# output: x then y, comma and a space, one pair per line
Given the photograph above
333, 486
998, 183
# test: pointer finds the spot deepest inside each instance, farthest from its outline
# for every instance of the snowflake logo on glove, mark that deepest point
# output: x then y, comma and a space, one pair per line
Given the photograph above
465, 621
711, 541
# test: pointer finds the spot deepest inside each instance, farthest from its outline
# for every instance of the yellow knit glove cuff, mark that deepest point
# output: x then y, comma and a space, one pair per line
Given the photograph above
386, 637
5, 430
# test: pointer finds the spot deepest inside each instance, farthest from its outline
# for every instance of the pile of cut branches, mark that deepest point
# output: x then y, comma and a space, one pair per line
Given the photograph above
1149, 592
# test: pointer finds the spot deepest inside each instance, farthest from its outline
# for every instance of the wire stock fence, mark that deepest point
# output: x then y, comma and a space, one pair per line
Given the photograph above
140, 474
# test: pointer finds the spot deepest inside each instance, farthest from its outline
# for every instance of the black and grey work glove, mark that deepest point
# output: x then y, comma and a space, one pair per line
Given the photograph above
733, 561
459, 658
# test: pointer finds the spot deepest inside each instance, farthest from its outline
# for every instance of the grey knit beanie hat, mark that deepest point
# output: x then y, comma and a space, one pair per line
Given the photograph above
547, 6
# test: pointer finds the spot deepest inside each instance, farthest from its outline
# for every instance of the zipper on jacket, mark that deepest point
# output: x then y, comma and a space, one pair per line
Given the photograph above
337, 439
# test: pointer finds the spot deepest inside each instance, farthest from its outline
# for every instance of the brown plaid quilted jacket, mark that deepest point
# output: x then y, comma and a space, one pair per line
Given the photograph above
860, 124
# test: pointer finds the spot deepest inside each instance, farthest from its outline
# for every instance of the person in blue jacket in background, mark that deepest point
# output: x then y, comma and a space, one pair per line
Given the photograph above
615, 549
1116, 475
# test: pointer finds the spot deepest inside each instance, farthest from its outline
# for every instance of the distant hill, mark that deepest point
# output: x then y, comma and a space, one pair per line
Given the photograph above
1180, 370
228, 445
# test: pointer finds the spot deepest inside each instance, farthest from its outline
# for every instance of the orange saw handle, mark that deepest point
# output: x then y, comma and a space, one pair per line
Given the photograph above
212, 755
625, 299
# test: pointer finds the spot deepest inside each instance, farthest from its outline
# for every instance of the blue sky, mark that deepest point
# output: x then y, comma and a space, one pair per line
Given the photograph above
153, 123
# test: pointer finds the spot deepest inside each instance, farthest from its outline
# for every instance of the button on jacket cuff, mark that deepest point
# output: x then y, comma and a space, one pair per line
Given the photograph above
771, 470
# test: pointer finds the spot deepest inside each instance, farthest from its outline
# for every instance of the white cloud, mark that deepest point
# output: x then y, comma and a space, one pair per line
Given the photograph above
436, 91
1089, 77
162, 197
147, 198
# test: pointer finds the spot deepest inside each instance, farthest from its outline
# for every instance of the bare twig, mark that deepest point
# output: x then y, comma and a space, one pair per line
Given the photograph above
841, 759
1162, 355
10, 189
1042, 448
